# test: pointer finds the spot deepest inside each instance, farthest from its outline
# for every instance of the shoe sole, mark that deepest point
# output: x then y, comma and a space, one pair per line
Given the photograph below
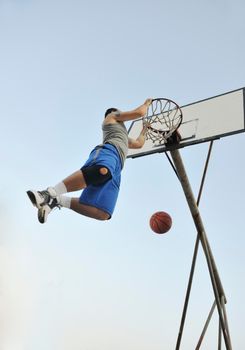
32, 198
40, 216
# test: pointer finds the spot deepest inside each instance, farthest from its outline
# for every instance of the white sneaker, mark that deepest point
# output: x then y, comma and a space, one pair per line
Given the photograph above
45, 210
40, 198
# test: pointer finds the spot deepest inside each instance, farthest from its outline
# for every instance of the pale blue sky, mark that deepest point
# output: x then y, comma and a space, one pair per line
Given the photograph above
78, 284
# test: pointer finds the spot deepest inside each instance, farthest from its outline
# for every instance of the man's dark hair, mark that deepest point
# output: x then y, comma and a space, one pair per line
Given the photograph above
110, 110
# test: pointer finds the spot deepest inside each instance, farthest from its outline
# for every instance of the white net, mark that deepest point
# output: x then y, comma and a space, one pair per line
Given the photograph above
163, 117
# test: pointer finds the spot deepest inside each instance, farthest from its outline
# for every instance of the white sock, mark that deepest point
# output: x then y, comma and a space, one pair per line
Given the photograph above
64, 201
60, 188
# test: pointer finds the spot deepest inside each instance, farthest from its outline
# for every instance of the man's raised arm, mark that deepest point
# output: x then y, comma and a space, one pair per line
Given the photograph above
139, 112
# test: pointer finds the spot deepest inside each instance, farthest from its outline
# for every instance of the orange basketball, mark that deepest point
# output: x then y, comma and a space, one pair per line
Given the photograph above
160, 222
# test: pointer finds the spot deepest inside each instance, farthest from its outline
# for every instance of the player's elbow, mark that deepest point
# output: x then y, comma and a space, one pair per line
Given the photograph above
134, 144
139, 144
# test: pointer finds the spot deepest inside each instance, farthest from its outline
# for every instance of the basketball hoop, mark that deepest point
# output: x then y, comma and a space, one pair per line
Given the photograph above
163, 118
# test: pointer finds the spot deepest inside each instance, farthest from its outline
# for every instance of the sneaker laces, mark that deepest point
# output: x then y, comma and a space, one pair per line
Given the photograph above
46, 196
54, 203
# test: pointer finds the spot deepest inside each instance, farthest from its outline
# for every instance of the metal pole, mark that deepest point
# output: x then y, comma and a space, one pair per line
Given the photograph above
219, 337
194, 254
205, 326
216, 283
223, 301
188, 292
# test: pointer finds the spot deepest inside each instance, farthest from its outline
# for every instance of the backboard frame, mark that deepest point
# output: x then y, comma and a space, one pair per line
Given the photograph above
238, 94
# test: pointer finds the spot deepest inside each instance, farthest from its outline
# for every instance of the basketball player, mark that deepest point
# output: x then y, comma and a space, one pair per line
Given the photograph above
100, 176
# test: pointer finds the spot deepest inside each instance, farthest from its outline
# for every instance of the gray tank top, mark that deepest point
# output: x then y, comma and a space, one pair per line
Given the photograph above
117, 135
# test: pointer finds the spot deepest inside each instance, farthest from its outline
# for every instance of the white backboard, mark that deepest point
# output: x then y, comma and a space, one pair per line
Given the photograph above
203, 121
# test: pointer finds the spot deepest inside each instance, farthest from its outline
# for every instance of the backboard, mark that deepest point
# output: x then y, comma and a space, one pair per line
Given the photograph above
203, 121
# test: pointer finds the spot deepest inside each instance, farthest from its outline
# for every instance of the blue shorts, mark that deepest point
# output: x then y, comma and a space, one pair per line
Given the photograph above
103, 196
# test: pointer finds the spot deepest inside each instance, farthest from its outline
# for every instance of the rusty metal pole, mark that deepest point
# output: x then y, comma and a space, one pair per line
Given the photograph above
193, 264
215, 279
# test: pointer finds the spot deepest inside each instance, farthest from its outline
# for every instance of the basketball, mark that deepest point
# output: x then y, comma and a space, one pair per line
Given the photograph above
160, 222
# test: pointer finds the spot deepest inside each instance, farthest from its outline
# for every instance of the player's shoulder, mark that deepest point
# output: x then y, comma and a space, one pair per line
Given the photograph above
110, 119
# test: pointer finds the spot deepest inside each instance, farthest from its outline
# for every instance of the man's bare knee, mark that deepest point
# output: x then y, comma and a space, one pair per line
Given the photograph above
103, 171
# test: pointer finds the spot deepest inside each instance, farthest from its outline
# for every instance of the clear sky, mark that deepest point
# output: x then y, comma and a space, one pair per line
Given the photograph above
78, 284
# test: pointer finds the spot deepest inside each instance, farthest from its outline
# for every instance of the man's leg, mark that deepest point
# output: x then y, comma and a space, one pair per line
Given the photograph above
73, 204
55, 197
88, 210
72, 183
